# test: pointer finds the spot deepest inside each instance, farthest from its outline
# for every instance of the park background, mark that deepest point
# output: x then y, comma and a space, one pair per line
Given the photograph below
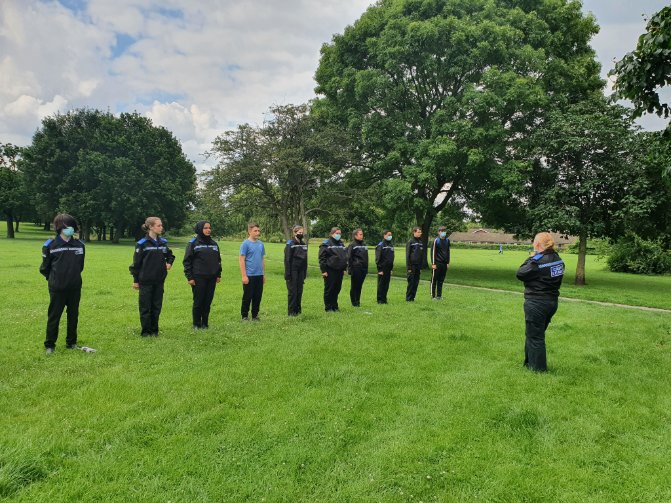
466, 114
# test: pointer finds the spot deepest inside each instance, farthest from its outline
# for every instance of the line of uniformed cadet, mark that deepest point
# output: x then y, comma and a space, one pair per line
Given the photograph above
63, 261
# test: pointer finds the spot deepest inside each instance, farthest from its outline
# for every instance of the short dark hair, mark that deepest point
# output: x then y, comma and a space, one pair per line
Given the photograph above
356, 231
416, 228
251, 225
386, 231
333, 229
442, 228
63, 220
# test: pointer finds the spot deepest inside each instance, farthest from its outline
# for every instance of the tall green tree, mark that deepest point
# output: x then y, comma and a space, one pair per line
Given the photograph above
286, 163
13, 196
108, 170
641, 73
437, 95
585, 174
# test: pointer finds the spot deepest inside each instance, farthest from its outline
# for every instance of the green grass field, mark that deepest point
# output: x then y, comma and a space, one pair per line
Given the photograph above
404, 402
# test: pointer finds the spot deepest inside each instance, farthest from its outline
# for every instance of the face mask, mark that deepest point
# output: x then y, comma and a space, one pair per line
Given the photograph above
336, 237
388, 238
68, 232
443, 234
299, 236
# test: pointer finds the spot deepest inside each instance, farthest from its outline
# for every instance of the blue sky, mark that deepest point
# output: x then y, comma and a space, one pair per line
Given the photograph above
197, 67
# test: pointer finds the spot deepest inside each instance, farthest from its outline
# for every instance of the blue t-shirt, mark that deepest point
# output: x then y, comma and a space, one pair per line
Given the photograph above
253, 251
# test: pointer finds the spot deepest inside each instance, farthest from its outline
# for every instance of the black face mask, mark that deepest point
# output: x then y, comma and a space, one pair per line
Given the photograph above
299, 236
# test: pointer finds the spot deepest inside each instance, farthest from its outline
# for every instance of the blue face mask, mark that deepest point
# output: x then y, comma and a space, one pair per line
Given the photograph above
442, 234
388, 238
68, 232
336, 237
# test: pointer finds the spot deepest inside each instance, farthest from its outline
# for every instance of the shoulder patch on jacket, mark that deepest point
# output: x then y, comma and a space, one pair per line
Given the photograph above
193, 240
163, 241
381, 243
537, 257
325, 242
142, 241
290, 242
48, 242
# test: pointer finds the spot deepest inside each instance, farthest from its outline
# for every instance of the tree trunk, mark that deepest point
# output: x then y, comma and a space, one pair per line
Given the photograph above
426, 231
47, 226
10, 227
582, 254
16, 224
285, 226
104, 233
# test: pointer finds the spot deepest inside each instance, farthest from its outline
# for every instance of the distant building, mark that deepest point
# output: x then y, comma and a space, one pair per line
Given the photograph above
495, 237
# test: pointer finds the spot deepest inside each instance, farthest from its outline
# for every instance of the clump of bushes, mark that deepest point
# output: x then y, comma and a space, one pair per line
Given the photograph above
639, 256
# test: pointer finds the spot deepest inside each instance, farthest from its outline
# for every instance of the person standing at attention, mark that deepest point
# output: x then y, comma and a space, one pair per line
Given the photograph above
151, 262
62, 266
357, 266
384, 259
295, 269
252, 270
414, 256
440, 262
332, 264
202, 268
542, 275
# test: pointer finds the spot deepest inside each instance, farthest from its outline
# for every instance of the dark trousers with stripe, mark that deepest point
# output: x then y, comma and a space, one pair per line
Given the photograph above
414, 273
332, 286
295, 291
150, 301
58, 301
383, 286
203, 293
437, 279
537, 316
358, 275
252, 293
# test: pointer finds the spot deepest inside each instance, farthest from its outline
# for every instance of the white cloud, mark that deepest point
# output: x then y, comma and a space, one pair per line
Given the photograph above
196, 67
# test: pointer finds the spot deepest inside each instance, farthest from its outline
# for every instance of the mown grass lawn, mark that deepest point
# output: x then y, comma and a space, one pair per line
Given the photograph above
405, 402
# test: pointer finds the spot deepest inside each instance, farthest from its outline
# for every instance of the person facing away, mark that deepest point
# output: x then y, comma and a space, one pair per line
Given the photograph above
151, 262
332, 263
295, 269
357, 266
440, 262
384, 260
202, 268
414, 256
62, 266
252, 270
542, 274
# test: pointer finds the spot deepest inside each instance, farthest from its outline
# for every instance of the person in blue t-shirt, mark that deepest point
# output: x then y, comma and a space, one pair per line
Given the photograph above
252, 269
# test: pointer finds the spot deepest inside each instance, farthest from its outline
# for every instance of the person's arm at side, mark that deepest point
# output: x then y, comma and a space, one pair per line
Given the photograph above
219, 270
433, 254
136, 265
407, 256
287, 261
187, 261
45, 267
263, 269
169, 259
322, 260
448, 254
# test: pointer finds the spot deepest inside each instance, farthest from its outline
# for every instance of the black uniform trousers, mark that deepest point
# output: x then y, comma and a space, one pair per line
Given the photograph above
537, 316
437, 279
332, 286
383, 286
58, 301
295, 291
203, 293
251, 295
358, 275
413, 281
150, 302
